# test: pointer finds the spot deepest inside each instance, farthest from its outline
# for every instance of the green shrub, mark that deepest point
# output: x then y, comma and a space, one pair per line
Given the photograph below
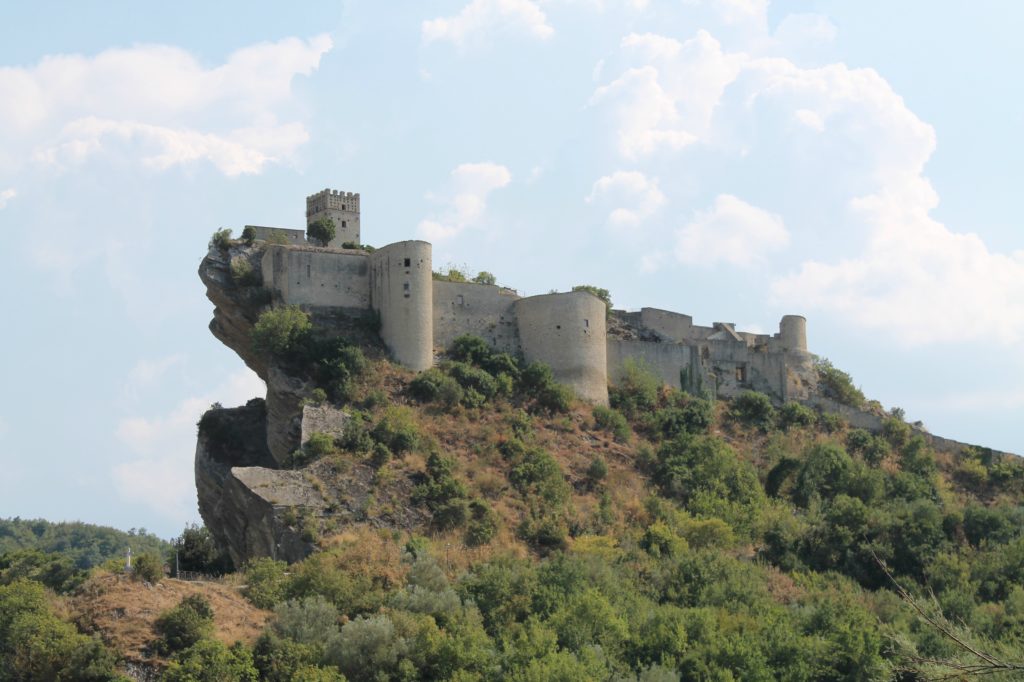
442, 493
544, 532
753, 409
636, 391
185, 624
538, 382
433, 385
536, 473
243, 274
478, 386
825, 473
896, 431
482, 525
196, 550
612, 421
397, 430
695, 416
320, 445
148, 567
281, 330
484, 277
278, 238
249, 234
597, 471
837, 384
321, 231
599, 292
469, 348
221, 239
265, 582
210, 661
794, 414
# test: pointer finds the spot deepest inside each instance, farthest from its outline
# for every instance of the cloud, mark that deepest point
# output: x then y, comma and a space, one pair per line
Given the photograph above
667, 103
160, 473
731, 231
147, 373
481, 19
471, 183
6, 195
629, 186
157, 103
843, 147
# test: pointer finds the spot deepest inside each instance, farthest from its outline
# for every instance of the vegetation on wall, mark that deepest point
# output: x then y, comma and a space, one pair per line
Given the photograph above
321, 231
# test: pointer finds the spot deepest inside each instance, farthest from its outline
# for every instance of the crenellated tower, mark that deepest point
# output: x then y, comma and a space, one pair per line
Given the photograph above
342, 208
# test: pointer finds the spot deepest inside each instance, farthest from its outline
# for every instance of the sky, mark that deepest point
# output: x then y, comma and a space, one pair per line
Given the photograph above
735, 160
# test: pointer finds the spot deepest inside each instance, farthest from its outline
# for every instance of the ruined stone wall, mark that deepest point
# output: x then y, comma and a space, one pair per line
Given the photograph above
673, 326
677, 365
567, 331
317, 277
401, 291
483, 310
294, 237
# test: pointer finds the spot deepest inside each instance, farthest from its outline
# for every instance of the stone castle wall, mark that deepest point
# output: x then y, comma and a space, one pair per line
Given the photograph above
483, 310
317, 277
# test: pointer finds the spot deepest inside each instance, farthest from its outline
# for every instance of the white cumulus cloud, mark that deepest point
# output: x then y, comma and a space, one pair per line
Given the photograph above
160, 104
6, 195
731, 231
633, 187
481, 19
466, 203
159, 474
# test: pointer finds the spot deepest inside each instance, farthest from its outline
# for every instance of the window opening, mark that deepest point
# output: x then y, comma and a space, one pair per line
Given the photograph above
408, 262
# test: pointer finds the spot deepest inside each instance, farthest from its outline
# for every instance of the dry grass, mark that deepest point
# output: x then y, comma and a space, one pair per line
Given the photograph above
122, 611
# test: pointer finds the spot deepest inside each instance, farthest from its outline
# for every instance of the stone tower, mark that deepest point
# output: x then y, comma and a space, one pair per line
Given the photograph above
342, 208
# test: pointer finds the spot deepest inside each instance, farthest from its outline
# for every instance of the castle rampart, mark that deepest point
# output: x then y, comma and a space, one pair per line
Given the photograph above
484, 310
317, 277
420, 316
567, 332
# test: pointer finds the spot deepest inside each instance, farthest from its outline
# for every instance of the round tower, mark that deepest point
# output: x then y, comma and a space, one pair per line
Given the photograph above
402, 293
567, 332
793, 332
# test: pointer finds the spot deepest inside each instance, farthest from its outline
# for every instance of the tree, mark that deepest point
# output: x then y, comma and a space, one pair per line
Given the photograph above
184, 625
196, 550
322, 231
484, 277
280, 330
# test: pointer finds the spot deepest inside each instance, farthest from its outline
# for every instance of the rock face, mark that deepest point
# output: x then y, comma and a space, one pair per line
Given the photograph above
253, 504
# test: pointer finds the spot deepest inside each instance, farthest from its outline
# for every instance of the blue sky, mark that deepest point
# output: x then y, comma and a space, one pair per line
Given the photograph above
730, 159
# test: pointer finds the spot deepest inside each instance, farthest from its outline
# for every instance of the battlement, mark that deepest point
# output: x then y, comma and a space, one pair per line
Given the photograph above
332, 199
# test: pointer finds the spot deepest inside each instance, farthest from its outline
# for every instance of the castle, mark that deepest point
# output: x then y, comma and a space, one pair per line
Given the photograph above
585, 344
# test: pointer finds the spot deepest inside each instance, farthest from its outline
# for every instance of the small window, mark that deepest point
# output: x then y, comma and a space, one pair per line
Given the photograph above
586, 324
408, 262
343, 207
344, 223
558, 326
741, 374
405, 287
459, 300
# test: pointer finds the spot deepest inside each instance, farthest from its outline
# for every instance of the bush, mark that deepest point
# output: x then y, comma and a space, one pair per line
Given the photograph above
482, 525
265, 582
281, 330
469, 348
794, 414
321, 231
753, 409
243, 274
537, 382
825, 473
249, 234
442, 493
599, 292
477, 385
597, 471
196, 550
837, 384
320, 445
433, 385
397, 430
184, 625
484, 277
612, 421
636, 391
148, 567
221, 239
211, 661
